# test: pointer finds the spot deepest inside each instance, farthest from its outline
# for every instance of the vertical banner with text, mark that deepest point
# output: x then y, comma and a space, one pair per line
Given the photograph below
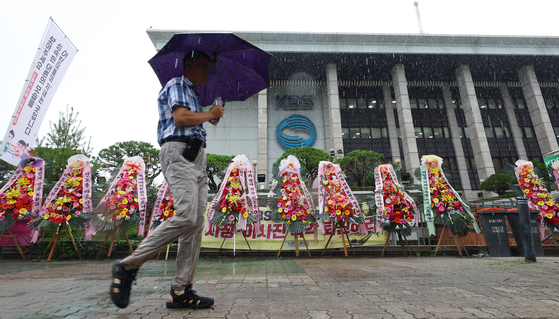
55, 53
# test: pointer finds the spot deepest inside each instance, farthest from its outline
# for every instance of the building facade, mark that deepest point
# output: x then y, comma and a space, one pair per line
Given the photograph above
479, 102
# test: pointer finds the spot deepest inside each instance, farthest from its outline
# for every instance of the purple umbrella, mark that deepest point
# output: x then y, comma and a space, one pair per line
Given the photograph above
242, 69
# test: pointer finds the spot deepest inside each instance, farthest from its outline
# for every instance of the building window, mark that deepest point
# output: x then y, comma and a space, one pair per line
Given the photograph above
422, 103
413, 103
427, 132
343, 103
384, 132
352, 103
497, 164
366, 132
519, 103
499, 132
345, 133
438, 132
362, 103
464, 132
507, 131
528, 132
489, 132
482, 103
549, 103
418, 132
446, 132
556, 129
354, 132
493, 104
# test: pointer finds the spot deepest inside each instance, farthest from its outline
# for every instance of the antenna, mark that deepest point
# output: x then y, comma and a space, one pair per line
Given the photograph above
416, 5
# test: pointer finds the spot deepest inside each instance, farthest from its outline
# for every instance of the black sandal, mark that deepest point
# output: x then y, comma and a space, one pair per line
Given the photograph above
189, 299
122, 284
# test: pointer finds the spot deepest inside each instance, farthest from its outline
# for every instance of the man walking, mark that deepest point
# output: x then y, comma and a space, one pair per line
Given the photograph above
182, 137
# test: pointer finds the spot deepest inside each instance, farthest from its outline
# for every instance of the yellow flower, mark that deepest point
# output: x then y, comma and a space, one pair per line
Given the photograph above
338, 212
280, 209
550, 203
52, 215
288, 222
31, 194
166, 213
245, 215
122, 214
120, 192
81, 200
68, 217
125, 201
224, 210
125, 210
325, 209
130, 177
325, 182
135, 200
22, 211
541, 203
293, 217
46, 216
549, 216
131, 171
285, 180
435, 200
330, 202
347, 212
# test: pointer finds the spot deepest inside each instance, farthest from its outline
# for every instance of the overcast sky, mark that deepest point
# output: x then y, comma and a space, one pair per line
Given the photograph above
114, 89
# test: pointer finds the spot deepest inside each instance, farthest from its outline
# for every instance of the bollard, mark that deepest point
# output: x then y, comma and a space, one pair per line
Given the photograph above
527, 239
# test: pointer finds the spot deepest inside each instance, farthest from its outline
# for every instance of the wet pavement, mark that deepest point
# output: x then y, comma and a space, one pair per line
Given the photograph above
413, 287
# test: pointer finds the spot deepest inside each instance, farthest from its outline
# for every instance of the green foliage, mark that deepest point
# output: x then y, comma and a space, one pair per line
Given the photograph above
113, 157
88, 249
358, 164
309, 158
65, 139
6, 171
216, 166
498, 183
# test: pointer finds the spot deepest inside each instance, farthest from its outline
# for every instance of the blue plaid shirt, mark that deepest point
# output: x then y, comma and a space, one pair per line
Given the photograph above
178, 91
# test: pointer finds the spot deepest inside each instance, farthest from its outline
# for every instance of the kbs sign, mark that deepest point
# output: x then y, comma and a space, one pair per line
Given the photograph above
292, 102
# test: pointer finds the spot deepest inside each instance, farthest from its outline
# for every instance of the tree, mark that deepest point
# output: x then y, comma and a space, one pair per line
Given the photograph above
216, 166
112, 158
497, 183
356, 164
6, 171
65, 139
309, 158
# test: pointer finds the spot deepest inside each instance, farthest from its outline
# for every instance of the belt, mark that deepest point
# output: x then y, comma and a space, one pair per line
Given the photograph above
186, 139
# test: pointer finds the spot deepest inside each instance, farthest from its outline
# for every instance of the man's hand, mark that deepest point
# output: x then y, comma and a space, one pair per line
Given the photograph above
217, 111
185, 117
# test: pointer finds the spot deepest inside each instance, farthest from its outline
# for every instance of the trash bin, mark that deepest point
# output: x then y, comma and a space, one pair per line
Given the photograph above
494, 230
518, 231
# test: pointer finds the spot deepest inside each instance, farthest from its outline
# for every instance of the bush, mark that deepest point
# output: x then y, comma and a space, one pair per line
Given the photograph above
498, 183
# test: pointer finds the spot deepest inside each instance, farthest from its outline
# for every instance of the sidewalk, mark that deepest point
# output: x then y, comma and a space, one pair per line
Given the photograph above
414, 287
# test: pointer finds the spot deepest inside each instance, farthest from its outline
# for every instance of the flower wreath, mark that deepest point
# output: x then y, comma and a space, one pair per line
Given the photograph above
70, 198
396, 210
21, 197
538, 196
295, 207
336, 200
449, 208
236, 200
163, 208
125, 202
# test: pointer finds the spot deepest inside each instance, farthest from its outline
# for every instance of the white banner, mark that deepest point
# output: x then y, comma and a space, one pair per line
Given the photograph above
55, 53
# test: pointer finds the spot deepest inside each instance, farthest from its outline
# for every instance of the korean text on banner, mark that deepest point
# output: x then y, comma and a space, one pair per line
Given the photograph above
51, 62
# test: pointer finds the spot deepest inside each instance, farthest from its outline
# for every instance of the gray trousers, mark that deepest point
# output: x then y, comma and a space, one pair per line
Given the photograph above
189, 185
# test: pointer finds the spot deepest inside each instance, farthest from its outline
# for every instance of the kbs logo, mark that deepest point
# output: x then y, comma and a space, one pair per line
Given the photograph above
294, 102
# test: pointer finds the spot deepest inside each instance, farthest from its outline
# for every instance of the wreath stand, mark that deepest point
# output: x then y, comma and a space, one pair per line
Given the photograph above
166, 254
386, 243
114, 234
7, 233
341, 226
234, 240
457, 242
55, 238
296, 244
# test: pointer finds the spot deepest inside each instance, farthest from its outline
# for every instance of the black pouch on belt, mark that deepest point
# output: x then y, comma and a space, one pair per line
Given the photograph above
192, 149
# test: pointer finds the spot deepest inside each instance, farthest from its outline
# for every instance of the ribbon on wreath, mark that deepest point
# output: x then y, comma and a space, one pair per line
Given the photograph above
428, 212
157, 205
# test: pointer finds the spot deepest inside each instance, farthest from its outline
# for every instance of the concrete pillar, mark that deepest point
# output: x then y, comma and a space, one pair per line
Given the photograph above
335, 121
391, 122
476, 130
262, 167
456, 140
508, 104
409, 145
538, 112
327, 125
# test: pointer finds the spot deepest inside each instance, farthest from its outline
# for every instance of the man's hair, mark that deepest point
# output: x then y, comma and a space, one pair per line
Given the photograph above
192, 56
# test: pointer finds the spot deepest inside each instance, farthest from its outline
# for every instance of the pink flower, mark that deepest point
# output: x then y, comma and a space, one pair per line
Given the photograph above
231, 218
51, 219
